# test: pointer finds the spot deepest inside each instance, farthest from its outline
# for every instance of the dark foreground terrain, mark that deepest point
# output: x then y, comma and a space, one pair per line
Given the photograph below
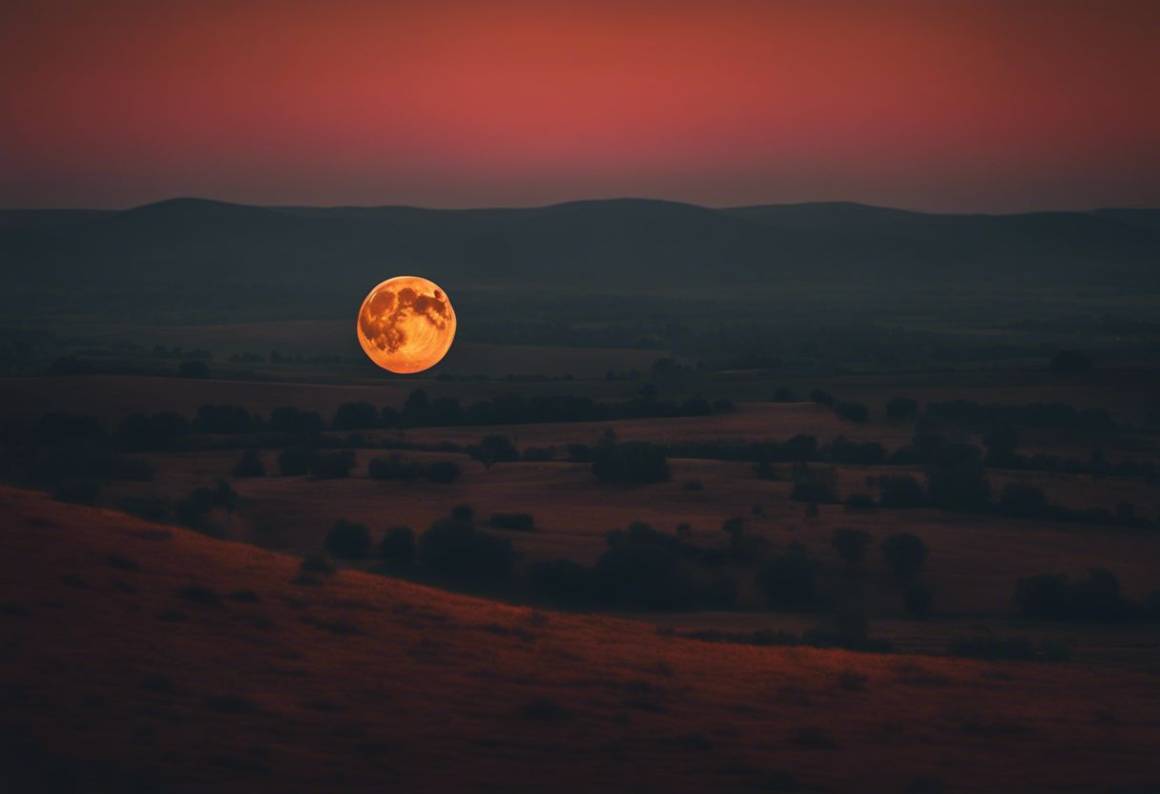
137, 656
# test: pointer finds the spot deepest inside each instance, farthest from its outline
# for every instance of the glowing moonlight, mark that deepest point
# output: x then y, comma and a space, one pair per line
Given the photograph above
406, 324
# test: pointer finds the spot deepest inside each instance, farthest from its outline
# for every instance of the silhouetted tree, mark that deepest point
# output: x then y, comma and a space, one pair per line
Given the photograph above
860, 501
398, 547
851, 545
519, 522
1022, 500
333, 465
918, 599
393, 468
561, 582
956, 479
1001, 442
904, 554
355, 416
250, 465
630, 463
788, 579
296, 461
494, 449
454, 549
153, 432
194, 511
443, 471
852, 412
814, 492
288, 419
645, 568
225, 419
900, 491
901, 409
821, 397
349, 540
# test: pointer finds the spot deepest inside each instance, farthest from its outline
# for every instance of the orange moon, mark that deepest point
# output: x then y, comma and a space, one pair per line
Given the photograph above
406, 324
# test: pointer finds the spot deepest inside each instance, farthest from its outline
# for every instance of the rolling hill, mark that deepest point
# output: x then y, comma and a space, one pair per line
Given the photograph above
143, 657
632, 243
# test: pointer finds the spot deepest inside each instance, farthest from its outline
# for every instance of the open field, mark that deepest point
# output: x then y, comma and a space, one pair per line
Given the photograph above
204, 665
975, 560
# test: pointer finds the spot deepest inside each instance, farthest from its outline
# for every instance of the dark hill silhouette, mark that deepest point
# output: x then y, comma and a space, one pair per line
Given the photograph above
634, 242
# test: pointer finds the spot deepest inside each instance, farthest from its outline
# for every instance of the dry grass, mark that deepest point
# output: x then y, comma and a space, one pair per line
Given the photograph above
442, 692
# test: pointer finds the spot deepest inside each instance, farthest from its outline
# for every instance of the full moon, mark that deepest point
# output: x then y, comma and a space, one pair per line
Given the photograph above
406, 324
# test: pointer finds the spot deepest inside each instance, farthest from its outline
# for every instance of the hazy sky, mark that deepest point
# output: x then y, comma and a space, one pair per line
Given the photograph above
939, 105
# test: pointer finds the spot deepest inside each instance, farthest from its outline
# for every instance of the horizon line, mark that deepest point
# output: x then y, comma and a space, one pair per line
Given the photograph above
568, 202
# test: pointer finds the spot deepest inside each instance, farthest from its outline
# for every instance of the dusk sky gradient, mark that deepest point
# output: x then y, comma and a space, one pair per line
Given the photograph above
939, 105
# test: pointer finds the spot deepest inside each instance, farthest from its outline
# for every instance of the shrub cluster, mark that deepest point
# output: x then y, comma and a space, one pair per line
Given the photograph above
393, 467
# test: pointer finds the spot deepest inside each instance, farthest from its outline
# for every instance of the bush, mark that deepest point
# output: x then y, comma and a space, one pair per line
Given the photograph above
1022, 501
494, 449
539, 454
443, 471
899, 491
398, 547
813, 491
1044, 596
904, 554
822, 397
644, 568
518, 522
764, 470
800, 448
561, 582
333, 465
788, 579
225, 420
860, 501
296, 461
160, 431
355, 416
80, 491
250, 465
959, 484
348, 540
194, 511
631, 463
288, 419
852, 412
869, 453
317, 563
1008, 648
70, 429
851, 545
453, 549
393, 468
901, 409
1056, 597
918, 599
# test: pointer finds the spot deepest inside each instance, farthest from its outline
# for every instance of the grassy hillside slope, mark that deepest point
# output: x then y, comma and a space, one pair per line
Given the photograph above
137, 656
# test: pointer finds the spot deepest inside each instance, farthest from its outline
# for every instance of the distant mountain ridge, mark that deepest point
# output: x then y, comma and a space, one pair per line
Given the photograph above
633, 242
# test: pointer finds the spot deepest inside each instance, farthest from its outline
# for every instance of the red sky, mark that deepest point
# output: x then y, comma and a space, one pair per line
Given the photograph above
941, 104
